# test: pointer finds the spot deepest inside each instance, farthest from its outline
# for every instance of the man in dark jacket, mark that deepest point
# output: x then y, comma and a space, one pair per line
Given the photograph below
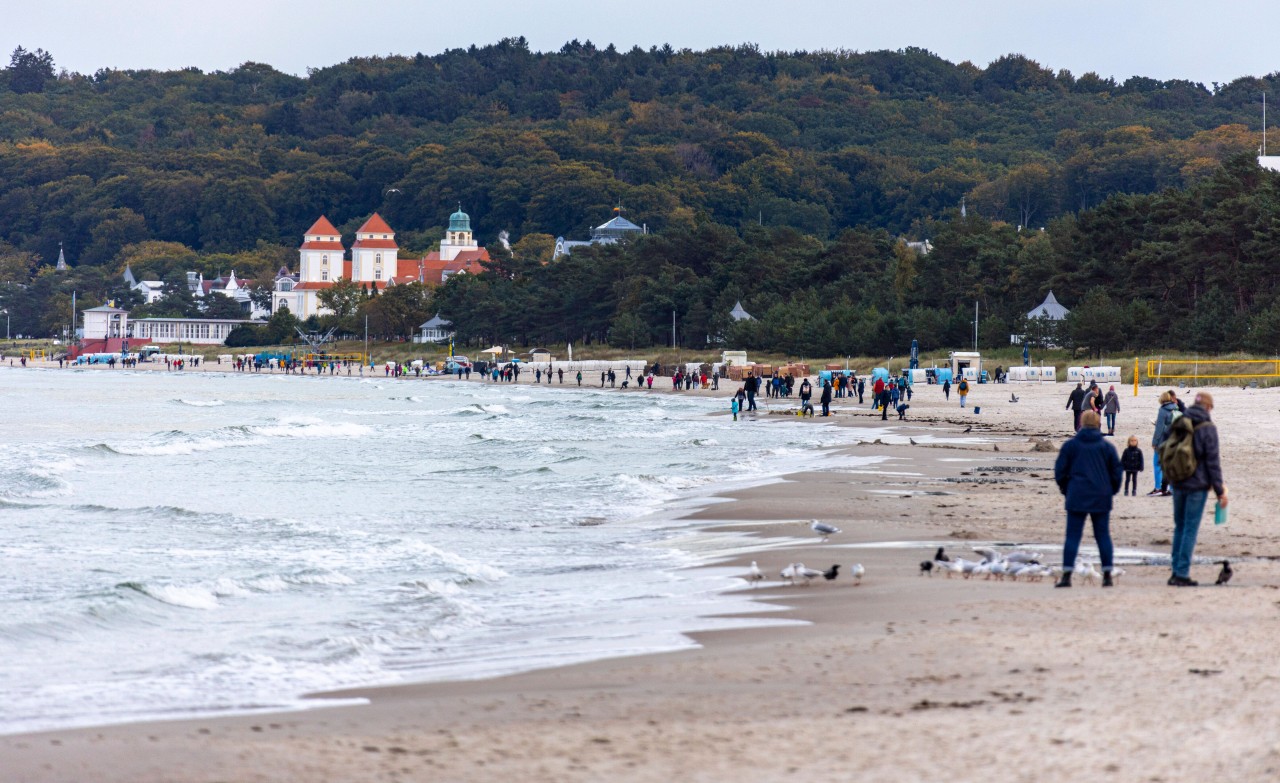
752, 385
1076, 403
1190, 495
826, 398
1088, 472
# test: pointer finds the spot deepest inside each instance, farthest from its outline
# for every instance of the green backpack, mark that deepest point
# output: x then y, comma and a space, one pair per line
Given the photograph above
1177, 453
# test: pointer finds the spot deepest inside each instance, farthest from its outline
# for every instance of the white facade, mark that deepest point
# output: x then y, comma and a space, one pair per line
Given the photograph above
152, 290
201, 331
105, 322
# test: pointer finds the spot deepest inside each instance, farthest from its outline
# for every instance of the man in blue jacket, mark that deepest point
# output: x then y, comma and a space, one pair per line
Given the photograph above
1089, 473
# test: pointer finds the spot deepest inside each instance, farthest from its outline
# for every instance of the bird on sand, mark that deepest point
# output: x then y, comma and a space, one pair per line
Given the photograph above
968, 429
1224, 575
857, 572
823, 529
912, 441
1013, 397
789, 573
941, 555
806, 573
926, 567
831, 572
755, 576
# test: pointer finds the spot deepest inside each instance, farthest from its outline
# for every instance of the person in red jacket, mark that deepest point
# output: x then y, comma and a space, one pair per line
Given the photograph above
879, 399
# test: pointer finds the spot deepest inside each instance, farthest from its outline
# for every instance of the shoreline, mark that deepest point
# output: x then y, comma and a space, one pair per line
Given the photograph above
908, 652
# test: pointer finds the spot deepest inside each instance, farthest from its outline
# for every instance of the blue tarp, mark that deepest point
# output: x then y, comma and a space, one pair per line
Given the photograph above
879, 372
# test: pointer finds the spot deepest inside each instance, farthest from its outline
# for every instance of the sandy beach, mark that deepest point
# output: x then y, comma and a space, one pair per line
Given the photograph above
901, 677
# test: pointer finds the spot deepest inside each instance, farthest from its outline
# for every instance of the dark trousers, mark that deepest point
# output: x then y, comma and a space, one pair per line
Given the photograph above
1077, 413
1075, 531
1131, 477
751, 400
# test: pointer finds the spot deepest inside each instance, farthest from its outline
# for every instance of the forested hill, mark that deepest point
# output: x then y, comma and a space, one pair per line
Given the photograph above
548, 143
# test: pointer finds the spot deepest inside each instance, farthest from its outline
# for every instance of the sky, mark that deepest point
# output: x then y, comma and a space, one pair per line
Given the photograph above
1197, 40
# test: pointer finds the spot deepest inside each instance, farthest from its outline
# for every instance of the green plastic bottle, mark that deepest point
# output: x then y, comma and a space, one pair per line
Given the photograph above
1219, 514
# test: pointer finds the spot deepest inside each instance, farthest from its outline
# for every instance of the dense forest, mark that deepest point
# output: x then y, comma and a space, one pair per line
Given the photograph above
785, 180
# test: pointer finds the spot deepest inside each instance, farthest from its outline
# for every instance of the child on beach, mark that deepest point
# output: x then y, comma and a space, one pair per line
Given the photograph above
734, 407
1131, 461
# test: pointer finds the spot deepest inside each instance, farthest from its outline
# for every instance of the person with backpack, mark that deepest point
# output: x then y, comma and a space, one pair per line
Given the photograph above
826, 399
946, 388
962, 389
1191, 463
1088, 473
1164, 417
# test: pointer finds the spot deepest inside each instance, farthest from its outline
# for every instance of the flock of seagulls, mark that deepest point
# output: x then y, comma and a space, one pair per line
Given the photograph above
1018, 565
1015, 566
800, 574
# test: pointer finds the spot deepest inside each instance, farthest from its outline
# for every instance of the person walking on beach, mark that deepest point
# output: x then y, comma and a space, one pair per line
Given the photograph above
1164, 418
1191, 492
751, 385
733, 406
560, 373
579, 377
1088, 474
946, 389
826, 399
963, 389
1110, 407
877, 393
862, 388
806, 393
1075, 403
1132, 463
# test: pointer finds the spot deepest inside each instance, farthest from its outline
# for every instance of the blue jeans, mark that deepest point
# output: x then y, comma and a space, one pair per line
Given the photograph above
1075, 531
1111, 422
1188, 507
1155, 468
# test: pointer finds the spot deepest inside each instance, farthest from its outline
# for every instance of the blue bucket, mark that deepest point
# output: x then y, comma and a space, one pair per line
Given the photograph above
976, 409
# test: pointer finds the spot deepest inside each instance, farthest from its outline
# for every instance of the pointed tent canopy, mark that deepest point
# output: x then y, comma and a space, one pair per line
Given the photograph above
62, 259
739, 314
1049, 309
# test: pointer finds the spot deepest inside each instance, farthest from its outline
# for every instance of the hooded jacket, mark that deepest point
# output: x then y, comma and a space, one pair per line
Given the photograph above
1208, 473
1088, 471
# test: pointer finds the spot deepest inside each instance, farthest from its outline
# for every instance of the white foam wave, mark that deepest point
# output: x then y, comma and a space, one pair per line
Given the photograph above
202, 403
311, 428
189, 597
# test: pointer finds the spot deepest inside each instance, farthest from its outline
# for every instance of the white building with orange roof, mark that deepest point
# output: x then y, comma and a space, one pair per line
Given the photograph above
375, 262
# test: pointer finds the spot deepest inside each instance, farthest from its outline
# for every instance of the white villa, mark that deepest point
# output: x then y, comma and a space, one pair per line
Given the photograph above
112, 323
606, 233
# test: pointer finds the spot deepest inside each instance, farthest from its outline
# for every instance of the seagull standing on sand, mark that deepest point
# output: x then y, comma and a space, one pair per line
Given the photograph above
823, 529
857, 571
807, 574
755, 576
789, 573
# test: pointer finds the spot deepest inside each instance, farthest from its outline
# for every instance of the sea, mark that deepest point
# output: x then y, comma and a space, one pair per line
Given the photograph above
185, 544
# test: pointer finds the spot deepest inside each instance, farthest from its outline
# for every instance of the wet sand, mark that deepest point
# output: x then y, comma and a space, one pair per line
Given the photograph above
903, 677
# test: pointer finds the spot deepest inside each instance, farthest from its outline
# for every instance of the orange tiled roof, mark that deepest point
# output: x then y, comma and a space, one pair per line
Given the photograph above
323, 227
375, 225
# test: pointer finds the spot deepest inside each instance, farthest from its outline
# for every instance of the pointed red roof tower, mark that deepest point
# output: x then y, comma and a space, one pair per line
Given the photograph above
322, 236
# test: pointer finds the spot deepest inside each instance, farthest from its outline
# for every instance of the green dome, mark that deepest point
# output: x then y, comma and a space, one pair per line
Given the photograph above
460, 221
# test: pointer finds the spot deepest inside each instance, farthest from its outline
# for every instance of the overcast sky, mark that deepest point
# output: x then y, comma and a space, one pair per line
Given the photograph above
1168, 39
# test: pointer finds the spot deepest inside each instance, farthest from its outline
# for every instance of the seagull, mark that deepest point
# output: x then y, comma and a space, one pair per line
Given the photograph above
754, 575
941, 555
789, 573
950, 567
807, 574
1116, 573
1023, 557
989, 555
857, 571
1088, 574
1224, 575
823, 529
831, 572
926, 567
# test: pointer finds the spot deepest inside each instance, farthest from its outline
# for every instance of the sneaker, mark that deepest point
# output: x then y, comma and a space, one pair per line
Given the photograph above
1182, 581
1154, 493
1173, 581
1166, 493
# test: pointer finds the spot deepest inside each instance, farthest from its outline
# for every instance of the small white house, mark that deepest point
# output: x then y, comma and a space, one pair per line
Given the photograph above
434, 331
105, 322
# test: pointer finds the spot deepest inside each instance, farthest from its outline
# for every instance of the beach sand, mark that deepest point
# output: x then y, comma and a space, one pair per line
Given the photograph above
901, 678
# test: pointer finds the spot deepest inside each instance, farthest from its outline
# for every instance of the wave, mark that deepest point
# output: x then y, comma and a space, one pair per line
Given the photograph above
178, 442
38, 481
191, 597
201, 403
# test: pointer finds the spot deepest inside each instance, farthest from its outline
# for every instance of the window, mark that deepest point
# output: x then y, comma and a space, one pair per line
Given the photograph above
377, 259
377, 273
324, 274
324, 260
